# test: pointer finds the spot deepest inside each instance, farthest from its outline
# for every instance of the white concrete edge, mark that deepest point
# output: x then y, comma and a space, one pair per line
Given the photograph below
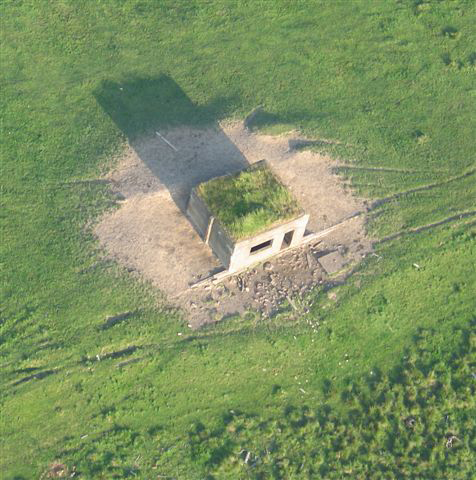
219, 277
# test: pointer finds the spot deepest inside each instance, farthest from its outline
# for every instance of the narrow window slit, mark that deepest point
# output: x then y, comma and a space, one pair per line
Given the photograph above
261, 246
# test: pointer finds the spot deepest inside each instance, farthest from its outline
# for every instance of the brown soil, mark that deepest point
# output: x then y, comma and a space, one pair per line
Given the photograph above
149, 232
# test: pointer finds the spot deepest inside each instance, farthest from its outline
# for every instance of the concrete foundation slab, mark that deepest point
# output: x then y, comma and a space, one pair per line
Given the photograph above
332, 262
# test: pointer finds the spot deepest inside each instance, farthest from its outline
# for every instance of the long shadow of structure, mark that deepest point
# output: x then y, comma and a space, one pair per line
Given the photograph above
147, 110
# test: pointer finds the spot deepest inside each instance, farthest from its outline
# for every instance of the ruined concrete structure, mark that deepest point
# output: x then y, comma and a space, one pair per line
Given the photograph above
239, 254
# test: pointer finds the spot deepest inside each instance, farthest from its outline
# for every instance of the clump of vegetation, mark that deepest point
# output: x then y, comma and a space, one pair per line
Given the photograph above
249, 202
418, 422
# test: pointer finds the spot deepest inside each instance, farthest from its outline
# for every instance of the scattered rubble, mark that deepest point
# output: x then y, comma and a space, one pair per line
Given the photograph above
265, 288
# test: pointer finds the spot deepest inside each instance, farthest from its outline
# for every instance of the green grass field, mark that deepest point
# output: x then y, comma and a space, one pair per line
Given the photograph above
395, 83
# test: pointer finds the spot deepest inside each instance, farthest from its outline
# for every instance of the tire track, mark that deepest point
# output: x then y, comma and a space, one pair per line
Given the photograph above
380, 169
429, 226
382, 201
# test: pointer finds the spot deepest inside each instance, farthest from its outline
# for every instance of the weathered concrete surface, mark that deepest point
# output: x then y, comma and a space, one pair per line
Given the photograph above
198, 213
332, 262
241, 257
209, 229
221, 244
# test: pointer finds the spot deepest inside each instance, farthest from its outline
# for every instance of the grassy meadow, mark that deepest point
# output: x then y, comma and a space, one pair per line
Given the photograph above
389, 88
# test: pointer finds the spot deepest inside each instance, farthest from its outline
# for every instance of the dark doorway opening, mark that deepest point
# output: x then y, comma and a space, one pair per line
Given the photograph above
261, 246
288, 238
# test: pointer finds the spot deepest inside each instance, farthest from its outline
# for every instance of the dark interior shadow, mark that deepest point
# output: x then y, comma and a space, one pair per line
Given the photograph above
153, 111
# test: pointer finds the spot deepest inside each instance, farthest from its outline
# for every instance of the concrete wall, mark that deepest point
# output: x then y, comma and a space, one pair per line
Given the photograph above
198, 214
221, 244
218, 240
236, 256
242, 258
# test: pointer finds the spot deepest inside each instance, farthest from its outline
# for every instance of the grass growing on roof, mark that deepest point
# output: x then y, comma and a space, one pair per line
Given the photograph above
249, 202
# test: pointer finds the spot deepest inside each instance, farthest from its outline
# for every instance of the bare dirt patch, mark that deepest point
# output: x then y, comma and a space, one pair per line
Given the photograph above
150, 233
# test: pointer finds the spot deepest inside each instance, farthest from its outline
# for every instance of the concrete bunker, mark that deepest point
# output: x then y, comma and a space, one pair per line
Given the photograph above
150, 235
246, 217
